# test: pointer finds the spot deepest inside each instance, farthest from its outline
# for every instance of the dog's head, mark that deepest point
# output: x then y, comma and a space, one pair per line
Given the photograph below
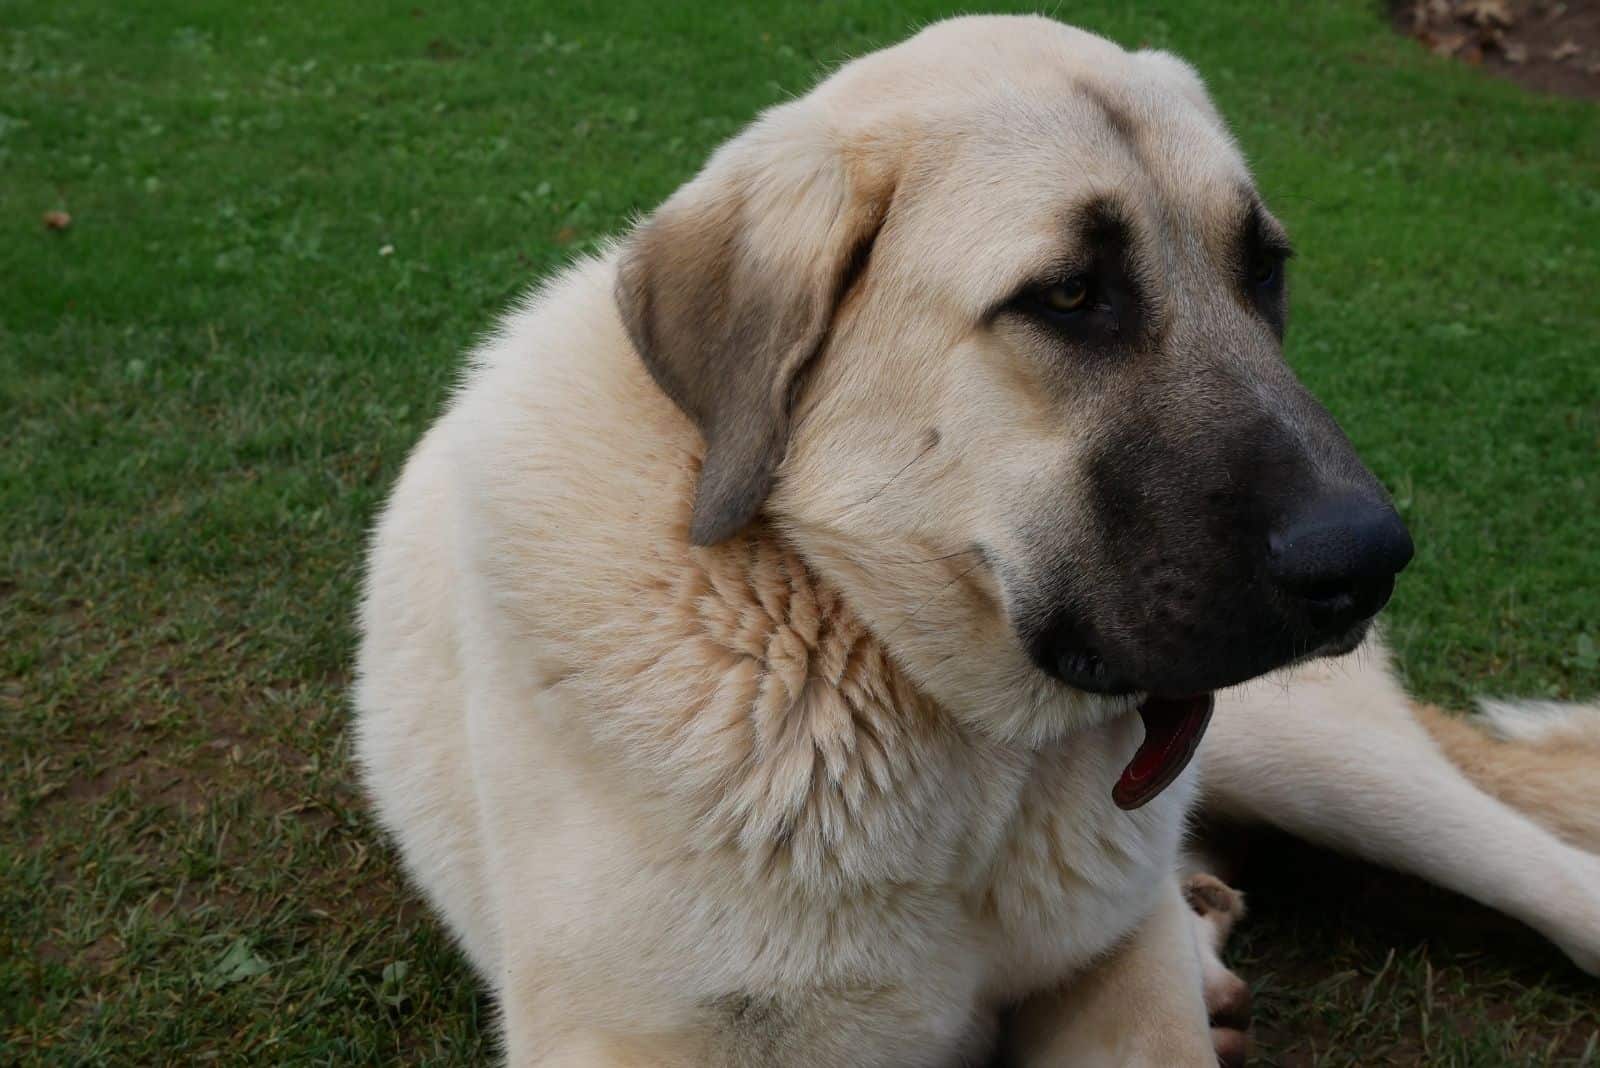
990, 324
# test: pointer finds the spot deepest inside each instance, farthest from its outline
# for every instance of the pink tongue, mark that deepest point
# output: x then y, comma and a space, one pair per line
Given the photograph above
1173, 727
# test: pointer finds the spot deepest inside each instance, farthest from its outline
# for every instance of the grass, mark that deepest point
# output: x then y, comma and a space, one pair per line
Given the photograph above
290, 218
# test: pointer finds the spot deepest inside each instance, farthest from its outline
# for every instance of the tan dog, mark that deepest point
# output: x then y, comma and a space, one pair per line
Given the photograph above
788, 648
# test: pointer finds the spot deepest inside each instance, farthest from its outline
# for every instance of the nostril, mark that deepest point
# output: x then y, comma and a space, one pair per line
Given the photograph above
1330, 604
1327, 592
1340, 553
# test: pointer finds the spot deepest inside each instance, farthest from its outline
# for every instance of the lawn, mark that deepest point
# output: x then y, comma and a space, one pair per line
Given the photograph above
289, 219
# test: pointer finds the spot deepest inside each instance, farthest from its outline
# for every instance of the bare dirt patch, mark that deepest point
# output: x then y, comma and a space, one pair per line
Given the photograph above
1551, 46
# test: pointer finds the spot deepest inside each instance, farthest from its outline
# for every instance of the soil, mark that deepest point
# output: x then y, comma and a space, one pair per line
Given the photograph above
1550, 46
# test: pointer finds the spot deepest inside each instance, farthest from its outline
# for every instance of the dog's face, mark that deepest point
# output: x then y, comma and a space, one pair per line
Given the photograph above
992, 324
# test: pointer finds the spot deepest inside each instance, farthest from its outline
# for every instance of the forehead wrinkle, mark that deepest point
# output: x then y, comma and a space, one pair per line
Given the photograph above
1190, 159
1009, 169
1100, 161
1125, 128
1050, 151
1174, 154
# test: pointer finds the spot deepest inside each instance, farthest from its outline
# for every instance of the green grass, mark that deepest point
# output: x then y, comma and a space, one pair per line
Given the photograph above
208, 381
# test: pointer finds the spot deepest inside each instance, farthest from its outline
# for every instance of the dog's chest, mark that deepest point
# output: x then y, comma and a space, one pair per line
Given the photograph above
1074, 873
966, 879
1012, 866
849, 831
857, 781
982, 877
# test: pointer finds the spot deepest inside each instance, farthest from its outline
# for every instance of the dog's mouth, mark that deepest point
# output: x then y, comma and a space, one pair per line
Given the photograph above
1173, 727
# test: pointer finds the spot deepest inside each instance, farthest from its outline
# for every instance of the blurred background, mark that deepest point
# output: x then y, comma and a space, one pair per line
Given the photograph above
244, 246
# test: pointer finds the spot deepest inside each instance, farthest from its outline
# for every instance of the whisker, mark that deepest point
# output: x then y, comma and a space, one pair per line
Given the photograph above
918, 611
879, 491
947, 556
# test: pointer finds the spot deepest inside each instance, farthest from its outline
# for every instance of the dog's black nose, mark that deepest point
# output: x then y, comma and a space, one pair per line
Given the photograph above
1339, 555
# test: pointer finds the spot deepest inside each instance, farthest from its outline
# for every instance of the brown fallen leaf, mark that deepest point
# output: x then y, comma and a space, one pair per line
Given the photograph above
1446, 44
1422, 11
1515, 52
57, 220
1487, 12
1565, 50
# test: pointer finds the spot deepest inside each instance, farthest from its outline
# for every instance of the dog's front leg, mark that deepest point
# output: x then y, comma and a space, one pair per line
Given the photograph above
1140, 1007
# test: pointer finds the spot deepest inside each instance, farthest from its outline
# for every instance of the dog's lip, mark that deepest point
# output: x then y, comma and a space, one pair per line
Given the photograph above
1173, 728
1348, 642
1085, 670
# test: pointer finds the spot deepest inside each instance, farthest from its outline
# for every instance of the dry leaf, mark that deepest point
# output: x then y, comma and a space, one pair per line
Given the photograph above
1516, 53
1487, 12
1565, 50
57, 220
1446, 44
1425, 11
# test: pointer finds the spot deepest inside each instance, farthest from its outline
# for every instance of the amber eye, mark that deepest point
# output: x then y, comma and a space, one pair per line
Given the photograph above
1066, 297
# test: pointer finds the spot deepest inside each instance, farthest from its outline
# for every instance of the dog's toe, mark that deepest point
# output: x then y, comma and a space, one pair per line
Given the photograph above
1232, 1046
1228, 1001
1210, 897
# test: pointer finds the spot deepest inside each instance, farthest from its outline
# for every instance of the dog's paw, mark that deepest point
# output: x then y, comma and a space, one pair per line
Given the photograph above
1216, 903
1217, 907
1228, 1004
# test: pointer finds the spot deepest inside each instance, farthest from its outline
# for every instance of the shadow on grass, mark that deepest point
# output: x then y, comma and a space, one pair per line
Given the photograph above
1346, 956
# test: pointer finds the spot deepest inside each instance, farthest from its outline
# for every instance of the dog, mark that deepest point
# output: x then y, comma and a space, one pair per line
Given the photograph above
790, 646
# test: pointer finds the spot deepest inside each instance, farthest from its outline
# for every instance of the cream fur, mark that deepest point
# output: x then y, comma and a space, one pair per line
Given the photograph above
799, 798
1540, 757
638, 778
680, 793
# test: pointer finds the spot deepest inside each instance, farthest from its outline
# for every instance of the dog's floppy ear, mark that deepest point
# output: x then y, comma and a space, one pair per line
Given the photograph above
729, 291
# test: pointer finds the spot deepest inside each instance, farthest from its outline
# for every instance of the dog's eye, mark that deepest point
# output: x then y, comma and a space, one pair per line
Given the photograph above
1065, 298
1266, 268
1086, 308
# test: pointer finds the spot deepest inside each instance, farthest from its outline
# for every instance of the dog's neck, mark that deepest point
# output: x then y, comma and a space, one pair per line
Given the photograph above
923, 639
938, 618
839, 732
